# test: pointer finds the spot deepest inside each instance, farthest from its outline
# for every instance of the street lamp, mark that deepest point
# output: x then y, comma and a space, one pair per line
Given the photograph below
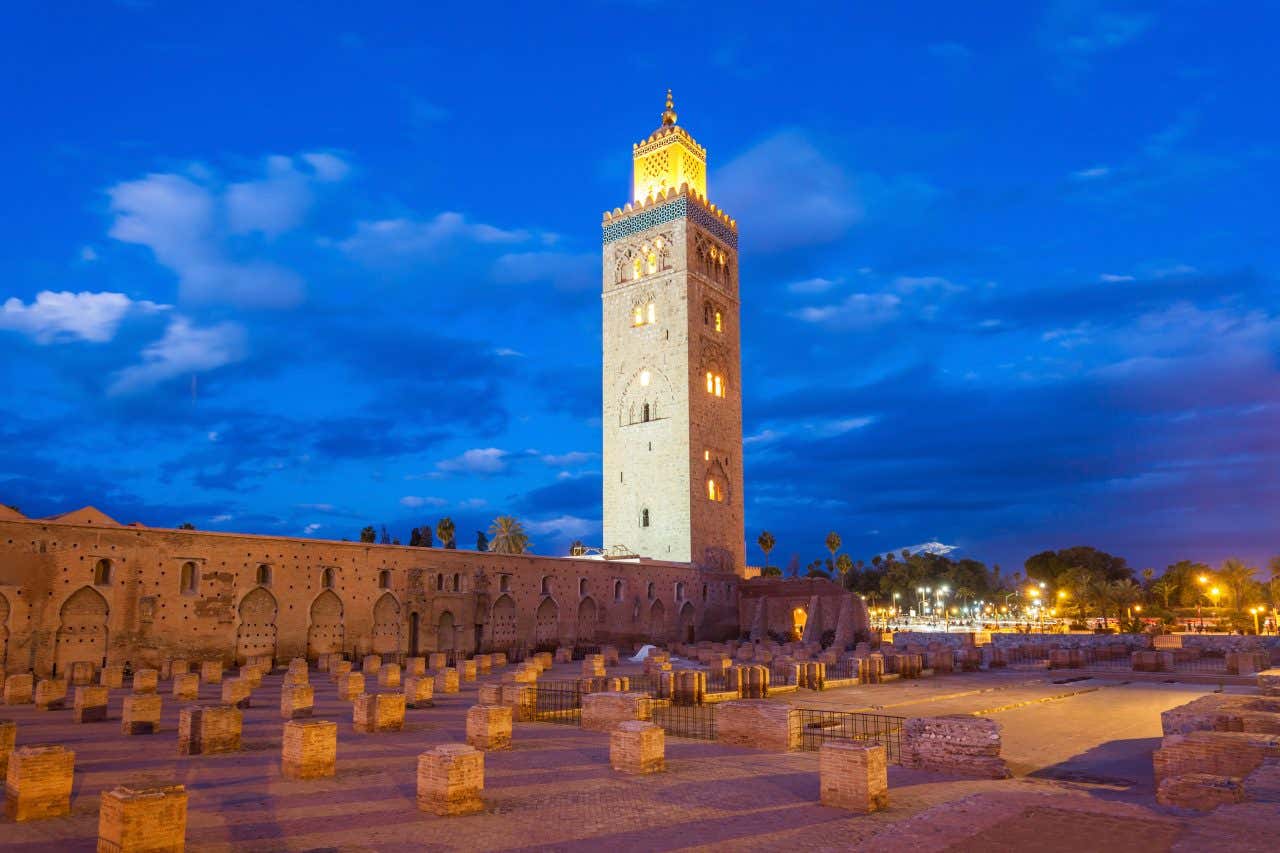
1254, 611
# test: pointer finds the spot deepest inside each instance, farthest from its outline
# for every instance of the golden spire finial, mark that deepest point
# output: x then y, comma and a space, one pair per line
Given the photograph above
669, 114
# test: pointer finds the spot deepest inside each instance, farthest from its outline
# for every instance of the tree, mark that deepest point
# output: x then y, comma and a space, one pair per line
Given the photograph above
445, 532
508, 536
1048, 565
415, 538
186, 525
482, 541
425, 539
1147, 575
1164, 589
766, 543
386, 537
833, 543
771, 572
368, 534
1238, 579
844, 565
1124, 593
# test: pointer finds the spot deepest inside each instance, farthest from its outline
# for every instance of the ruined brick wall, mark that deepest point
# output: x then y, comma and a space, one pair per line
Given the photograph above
52, 613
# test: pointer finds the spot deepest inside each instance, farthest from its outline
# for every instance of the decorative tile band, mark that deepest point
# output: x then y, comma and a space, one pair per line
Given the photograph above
669, 212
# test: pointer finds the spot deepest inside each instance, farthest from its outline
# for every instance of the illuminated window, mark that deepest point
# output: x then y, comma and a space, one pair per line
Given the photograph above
652, 262
719, 325
637, 319
653, 312
714, 492
715, 384
644, 378
706, 454
637, 268
644, 518
719, 387
710, 383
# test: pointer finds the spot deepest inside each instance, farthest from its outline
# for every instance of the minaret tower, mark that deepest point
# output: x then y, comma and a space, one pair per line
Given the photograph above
672, 363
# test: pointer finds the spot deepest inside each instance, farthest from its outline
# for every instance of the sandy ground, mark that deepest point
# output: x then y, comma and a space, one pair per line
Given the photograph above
1081, 752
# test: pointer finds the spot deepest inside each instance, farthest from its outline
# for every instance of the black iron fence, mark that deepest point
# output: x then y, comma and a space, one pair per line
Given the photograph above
553, 702
691, 721
581, 651
643, 684
817, 726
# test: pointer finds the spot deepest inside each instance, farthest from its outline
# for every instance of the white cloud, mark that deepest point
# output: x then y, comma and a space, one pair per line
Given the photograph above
507, 352
914, 284
813, 285
763, 437
856, 311
473, 503
790, 193
63, 315
1113, 278
391, 241
188, 222
565, 270
311, 528
184, 349
88, 254
561, 460
481, 460
1091, 173
417, 501
564, 525
220, 519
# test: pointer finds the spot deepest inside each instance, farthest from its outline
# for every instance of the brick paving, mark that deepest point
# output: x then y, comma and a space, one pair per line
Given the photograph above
554, 788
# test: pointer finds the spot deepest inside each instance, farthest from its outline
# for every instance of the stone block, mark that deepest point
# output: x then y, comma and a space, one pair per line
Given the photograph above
593, 666
38, 782
543, 660
251, 674
418, 691
758, 723
520, 698
484, 664
111, 677
309, 750
351, 686
140, 714
489, 727
602, 711
564, 654
1269, 682
437, 661
81, 673
389, 675
211, 671
1234, 754
957, 744
447, 680
1202, 792
179, 666
90, 704
235, 691
186, 687
143, 820
296, 701
467, 670
209, 729
297, 677
637, 746
378, 712
415, 666
450, 780
8, 737
526, 673
611, 656
489, 694
853, 776
498, 660
338, 669
145, 681
51, 694
371, 664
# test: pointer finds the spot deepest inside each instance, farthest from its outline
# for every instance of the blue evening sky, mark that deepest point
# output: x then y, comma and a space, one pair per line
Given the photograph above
1008, 270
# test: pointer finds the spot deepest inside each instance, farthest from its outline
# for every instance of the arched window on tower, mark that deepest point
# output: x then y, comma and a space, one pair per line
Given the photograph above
644, 413
102, 573
582, 587
652, 312
264, 575
649, 591
189, 579
326, 579
457, 582
644, 517
680, 591
439, 583
546, 585
384, 579
617, 590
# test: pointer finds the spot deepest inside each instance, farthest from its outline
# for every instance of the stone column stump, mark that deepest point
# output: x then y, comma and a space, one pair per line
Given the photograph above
636, 746
415, 666
758, 723
564, 654
296, 701
418, 690
209, 729
497, 660
602, 711
350, 686
484, 664
235, 691
251, 674
378, 712
140, 714
437, 661
489, 694
211, 671
339, 669
186, 687
467, 670
38, 782
179, 666
309, 750
450, 779
543, 660
389, 675
81, 673
371, 664
489, 727
91, 704
8, 735
593, 666
143, 820
145, 681
51, 694
111, 677
447, 680
853, 776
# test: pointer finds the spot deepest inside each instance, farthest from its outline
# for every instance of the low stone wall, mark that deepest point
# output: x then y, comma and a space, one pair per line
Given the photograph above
758, 723
1269, 682
602, 711
957, 744
1211, 644
1223, 712
1217, 750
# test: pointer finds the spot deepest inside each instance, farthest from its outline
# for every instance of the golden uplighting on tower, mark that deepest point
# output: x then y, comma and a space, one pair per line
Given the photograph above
668, 160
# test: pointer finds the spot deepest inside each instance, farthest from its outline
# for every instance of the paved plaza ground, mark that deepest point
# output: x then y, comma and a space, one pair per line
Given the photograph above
1080, 751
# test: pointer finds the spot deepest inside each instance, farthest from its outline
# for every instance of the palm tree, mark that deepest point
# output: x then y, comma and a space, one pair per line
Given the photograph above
1124, 593
766, 543
1078, 584
1101, 593
1165, 589
507, 536
844, 564
833, 543
1238, 578
445, 532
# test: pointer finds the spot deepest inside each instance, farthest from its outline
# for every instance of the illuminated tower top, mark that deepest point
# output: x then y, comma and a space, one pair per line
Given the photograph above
667, 159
